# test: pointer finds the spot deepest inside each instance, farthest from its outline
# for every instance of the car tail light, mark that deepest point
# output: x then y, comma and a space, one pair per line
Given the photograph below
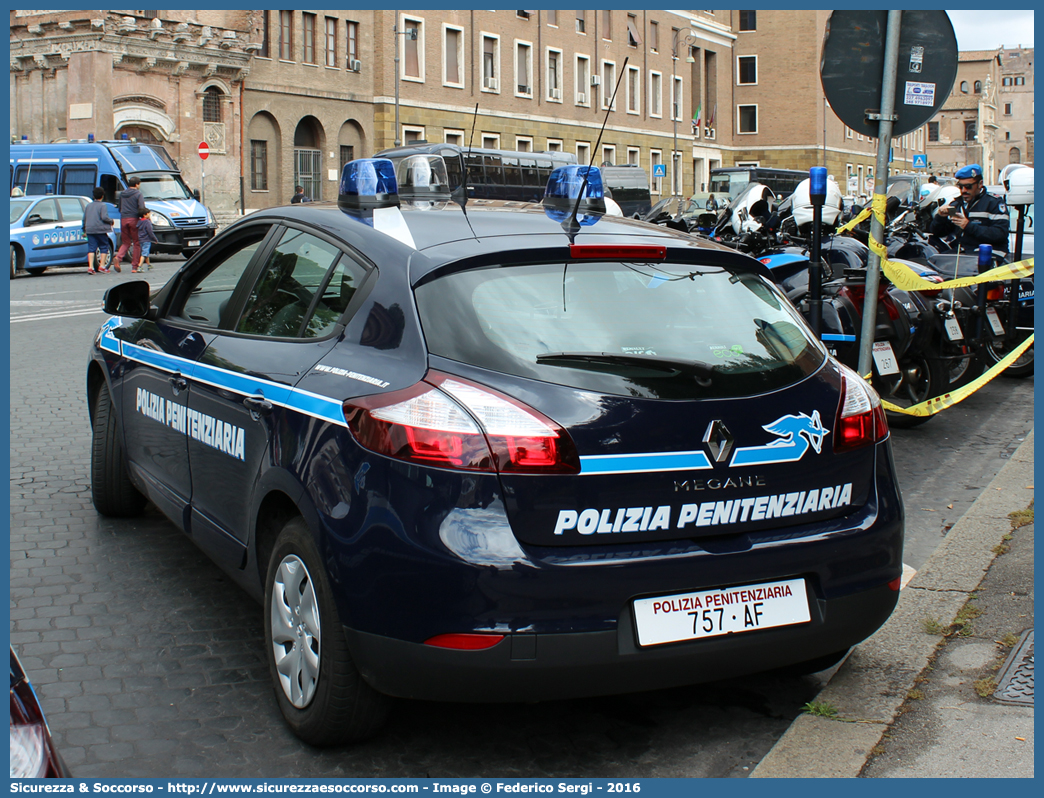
994, 293
468, 641
860, 416
451, 423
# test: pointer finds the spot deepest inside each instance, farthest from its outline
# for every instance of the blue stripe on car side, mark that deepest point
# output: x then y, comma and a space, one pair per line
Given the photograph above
639, 463
836, 337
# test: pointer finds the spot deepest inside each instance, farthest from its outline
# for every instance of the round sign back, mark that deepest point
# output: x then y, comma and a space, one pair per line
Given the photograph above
853, 67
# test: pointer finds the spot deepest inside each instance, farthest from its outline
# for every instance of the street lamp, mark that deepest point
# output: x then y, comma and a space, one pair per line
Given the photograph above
410, 34
686, 41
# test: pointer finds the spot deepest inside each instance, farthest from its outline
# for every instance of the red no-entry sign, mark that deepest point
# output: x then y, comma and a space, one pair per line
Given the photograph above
204, 150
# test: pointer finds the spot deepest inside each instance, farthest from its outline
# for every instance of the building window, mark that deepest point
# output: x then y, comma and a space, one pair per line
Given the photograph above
554, 145
964, 87
747, 69
748, 118
634, 82
412, 134
633, 38
266, 35
608, 155
491, 141
634, 156
258, 165
309, 38
748, 20
522, 14
286, 35
524, 143
583, 153
452, 44
1007, 109
933, 131
608, 82
654, 36
490, 63
353, 44
453, 137
583, 80
655, 94
523, 69
969, 130
1005, 81
212, 104
331, 42
347, 154
1020, 81
607, 25
552, 19
978, 87
1014, 155
554, 75
676, 99
581, 22
655, 159
413, 63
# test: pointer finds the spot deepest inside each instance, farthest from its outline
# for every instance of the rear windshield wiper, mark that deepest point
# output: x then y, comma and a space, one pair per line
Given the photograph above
671, 367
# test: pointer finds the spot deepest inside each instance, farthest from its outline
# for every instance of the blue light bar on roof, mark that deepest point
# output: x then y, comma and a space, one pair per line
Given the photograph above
566, 182
368, 183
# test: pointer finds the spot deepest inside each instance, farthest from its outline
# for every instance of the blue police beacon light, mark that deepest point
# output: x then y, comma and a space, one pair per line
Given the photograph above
368, 183
985, 257
124, 137
564, 187
90, 138
817, 184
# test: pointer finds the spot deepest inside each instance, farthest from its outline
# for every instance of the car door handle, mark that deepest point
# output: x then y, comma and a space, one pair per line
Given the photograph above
258, 405
177, 383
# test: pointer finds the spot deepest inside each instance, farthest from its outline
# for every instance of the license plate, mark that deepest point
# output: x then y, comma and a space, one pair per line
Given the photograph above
953, 329
995, 322
884, 358
720, 611
195, 243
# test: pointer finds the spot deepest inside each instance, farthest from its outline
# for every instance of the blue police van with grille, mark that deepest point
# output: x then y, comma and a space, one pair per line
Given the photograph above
181, 222
486, 450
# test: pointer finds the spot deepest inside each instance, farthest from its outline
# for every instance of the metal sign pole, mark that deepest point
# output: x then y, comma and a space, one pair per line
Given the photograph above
884, 141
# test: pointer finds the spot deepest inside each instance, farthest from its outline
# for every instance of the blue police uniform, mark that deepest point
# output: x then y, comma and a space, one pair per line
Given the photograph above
988, 221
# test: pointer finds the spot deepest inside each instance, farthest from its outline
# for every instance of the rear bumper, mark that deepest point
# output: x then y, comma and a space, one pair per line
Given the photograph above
530, 667
174, 240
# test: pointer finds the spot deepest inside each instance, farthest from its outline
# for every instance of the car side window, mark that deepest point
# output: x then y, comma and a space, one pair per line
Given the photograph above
206, 297
71, 208
44, 212
290, 287
336, 296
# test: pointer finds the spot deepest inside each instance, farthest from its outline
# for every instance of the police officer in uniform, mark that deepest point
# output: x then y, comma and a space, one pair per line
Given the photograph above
976, 218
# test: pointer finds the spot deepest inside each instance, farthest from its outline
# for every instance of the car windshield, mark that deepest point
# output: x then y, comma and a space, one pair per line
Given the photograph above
163, 187
630, 329
18, 208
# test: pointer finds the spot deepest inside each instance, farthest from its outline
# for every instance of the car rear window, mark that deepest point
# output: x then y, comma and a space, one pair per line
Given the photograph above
630, 329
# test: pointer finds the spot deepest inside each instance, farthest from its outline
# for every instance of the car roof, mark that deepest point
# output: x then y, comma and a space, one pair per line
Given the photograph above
490, 231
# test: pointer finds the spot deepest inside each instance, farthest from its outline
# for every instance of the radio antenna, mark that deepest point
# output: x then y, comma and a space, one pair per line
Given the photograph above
467, 158
583, 186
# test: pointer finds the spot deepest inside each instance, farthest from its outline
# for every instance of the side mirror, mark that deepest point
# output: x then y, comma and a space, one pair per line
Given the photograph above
195, 193
34, 219
129, 299
116, 201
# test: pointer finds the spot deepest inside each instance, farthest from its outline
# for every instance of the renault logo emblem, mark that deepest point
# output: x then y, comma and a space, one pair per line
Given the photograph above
719, 441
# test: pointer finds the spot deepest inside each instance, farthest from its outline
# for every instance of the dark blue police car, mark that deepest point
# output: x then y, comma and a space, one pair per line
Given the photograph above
497, 451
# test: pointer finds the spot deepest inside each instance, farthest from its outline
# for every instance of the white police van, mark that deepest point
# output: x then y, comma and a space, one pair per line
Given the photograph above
182, 223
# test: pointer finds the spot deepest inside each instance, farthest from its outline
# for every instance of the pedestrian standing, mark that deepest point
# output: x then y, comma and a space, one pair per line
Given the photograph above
977, 217
97, 225
299, 196
132, 203
147, 237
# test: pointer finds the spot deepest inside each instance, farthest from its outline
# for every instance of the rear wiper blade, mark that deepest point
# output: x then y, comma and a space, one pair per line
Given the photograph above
671, 366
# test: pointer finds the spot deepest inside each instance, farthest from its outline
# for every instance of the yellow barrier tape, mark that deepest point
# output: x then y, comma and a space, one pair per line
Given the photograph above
934, 405
863, 214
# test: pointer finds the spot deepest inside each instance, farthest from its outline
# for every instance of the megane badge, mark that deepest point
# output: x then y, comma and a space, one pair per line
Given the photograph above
719, 441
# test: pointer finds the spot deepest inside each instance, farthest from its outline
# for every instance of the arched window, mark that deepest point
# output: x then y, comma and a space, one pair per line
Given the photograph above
212, 104
1014, 156
978, 87
964, 87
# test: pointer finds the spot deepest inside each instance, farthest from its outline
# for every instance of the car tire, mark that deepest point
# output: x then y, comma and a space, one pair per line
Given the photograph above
113, 493
320, 692
14, 261
920, 378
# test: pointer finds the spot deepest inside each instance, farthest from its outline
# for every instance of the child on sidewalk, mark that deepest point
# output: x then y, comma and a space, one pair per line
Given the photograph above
147, 236
97, 225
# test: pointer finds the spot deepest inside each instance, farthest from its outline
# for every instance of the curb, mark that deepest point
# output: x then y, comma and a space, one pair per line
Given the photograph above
872, 683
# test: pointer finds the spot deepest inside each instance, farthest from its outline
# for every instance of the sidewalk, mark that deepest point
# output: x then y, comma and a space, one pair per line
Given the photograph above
906, 699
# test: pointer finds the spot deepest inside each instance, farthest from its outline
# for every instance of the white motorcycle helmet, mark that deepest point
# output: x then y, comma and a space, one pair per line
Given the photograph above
947, 195
928, 197
802, 204
749, 207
